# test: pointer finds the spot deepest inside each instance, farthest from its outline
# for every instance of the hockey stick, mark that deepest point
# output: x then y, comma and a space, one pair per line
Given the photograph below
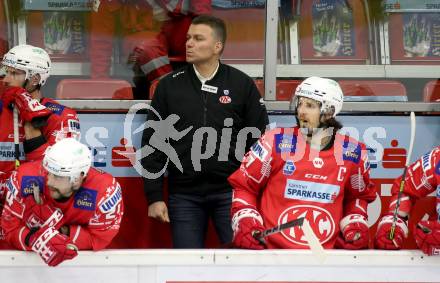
260, 236
312, 240
276, 229
16, 138
402, 181
314, 244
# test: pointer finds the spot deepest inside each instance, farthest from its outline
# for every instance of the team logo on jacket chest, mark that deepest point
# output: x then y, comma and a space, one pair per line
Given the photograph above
31, 183
285, 143
85, 199
225, 99
320, 220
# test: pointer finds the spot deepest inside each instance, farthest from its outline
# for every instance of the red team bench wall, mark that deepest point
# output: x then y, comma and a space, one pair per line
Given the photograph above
113, 148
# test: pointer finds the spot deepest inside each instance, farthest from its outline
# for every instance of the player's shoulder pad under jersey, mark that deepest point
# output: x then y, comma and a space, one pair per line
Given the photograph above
55, 107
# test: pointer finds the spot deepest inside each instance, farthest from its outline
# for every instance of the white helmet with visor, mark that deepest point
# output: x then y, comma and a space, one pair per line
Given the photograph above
68, 158
326, 91
30, 59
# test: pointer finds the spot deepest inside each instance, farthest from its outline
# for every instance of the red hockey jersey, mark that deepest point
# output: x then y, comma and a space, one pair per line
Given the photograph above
283, 178
63, 123
93, 214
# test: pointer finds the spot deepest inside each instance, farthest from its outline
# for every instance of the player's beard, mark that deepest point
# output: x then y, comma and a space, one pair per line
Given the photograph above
58, 196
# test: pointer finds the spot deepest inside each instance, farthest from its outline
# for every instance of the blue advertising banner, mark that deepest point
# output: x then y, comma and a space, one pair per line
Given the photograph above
115, 140
333, 28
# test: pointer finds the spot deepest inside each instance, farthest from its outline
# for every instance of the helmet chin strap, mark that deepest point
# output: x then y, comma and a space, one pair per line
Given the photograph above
26, 82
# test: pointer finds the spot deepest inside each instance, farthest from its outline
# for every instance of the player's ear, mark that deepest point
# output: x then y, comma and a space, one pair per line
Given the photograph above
78, 182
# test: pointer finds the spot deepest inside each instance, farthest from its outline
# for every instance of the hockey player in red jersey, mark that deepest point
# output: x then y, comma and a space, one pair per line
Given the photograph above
422, 178
61, 205
41, 120
147, 51
308, 171
27, 69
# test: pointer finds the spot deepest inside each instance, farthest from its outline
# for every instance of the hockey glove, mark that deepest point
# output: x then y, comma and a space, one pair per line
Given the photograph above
382, 240
31, 110
427, 236
36, 216
52, 246
354, 233
247, 225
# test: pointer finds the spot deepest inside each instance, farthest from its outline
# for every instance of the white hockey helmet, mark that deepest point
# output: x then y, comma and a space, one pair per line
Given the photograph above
31, 59
68, 158
326, 91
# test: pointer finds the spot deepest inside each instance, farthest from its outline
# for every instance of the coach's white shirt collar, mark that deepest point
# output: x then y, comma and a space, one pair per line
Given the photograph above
202, 78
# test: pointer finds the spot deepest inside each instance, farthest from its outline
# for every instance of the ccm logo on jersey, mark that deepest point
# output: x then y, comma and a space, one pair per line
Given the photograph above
316, 177
285, 143
259, 151
112, 201
85, 199
310, 191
